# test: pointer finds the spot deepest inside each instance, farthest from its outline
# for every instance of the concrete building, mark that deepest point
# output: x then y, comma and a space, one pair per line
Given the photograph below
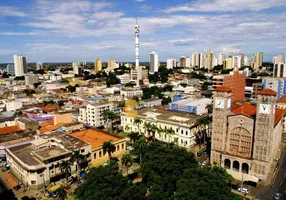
130, 92
13, 105
236, 62
214, 62
235, 80
258, 60
11, 69
246, 138
97, 65
220, 59
209, 61
278, 59
91, 114
38, 163
227, 63
39, 66
246, 61
30, 79
183, 124
257, 87
188, 61
171, 63
124, 78
96, 139
153, 63
111, 64
75, 68
182, 61
276, 84
196, 106
20, 65
279, 69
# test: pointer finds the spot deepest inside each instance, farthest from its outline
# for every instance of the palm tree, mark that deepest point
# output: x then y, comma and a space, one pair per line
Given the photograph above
146, 126
109, 116
160, 131
62, 194
105, 114
137, 121
140, 145
134, 136
201, 124
153, 129
108, 147
77, 158
127, 161
209, 107
65, 168
169, 132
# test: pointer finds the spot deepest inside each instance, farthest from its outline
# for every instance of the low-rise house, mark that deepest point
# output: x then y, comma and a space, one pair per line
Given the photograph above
96, 139
38, 163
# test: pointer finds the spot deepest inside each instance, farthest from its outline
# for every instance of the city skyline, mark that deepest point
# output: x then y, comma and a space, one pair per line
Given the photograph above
67, 31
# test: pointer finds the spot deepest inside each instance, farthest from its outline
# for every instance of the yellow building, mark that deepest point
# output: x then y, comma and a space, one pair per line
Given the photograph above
227, 64
209, 60
111, 64
97, 65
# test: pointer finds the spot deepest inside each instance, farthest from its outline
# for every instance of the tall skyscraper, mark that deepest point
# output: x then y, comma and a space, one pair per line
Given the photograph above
214, 61
171, 63
97, 65
278, 59
75, 67
111, 64
220, 59
246, 61
39, 66
209, 60
20, 65
236, 62
182, 61
188, 61
153, 64
258, 60
137, 44
11, 69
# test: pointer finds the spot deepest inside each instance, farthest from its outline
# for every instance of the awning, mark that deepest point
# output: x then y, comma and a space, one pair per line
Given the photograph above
11, 181
54, 188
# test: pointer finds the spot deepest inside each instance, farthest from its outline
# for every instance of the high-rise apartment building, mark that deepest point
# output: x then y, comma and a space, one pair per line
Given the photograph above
236, 81
278, 59
188, 61
258, 60
236, 62
11, 69
279, 70
171, 63
209, 63
197, 60
214, 62
20, 65
111, 64
246, 61
182, 61
220, 59
39, 66
246, 138
75, 68
153, 63
97, 65
227, 63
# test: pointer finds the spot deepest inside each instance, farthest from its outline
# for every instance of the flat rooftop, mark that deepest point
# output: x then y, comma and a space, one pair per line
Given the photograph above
193, 102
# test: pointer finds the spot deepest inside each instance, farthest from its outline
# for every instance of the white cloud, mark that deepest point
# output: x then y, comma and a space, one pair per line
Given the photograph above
145, 8
224, 5
10, 11
138, 0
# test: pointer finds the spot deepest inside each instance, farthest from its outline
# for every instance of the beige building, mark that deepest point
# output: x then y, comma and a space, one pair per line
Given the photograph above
258, 60
38, 163
111, 64
97, 65
246, 138
182, 123
209, 63
96, 139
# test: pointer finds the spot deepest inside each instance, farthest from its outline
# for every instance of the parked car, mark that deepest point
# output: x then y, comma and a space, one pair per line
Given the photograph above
277, 196
243, 190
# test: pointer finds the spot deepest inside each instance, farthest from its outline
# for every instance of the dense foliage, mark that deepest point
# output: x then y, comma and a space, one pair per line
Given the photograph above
168, 173
152, 91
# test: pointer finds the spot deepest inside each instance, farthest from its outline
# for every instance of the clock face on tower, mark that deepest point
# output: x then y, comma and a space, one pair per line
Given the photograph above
264, 108
219, 103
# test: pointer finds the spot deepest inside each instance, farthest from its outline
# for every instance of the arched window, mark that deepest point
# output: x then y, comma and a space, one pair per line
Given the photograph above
94, 155
235, 165
240, 142
100, 154
245, 168
227, 163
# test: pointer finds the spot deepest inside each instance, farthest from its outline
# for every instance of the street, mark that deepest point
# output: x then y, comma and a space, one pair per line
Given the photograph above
279, 184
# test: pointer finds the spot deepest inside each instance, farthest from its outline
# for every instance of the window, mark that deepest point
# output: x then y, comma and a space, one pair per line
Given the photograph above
82, 151
100, 154
94, 155
33, 182
122, 146
117, 147
182, 132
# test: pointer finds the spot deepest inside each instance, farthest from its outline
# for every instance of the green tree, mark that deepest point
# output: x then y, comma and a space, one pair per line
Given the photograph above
65, 168
137, 121
108, 147
126, 161
140, 146
166, 100
134, 136
77, 158
109, 116
62, 194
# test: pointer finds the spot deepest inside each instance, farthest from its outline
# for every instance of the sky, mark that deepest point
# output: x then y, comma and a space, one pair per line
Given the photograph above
83, 30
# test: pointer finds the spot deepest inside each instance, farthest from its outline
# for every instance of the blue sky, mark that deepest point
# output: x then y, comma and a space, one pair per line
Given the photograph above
83, 30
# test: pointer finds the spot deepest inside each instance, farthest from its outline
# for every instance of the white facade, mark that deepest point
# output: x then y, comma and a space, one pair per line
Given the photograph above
13, 105
171, 63
31, 79
130, 92
279, 70
188, 61
220, 59
246, 61
215, 61
20, 65
154, 62
137, 45
39, 66
124, 78
92, 114
236, 62
75, 68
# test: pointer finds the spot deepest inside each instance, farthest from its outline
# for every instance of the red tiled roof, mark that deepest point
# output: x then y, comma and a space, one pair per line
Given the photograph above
10, 129
50, 107
246, 109
279, 113
222, 89
267, 92
10, 179
282, 100
51, 127
47, 123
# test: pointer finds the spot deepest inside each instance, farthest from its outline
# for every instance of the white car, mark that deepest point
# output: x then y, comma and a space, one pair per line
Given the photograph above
243, 190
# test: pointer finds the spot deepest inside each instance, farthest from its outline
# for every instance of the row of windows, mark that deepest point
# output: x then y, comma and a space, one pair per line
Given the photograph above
100, 153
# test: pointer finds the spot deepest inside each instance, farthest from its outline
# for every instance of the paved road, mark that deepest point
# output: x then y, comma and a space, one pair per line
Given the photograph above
279, 184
